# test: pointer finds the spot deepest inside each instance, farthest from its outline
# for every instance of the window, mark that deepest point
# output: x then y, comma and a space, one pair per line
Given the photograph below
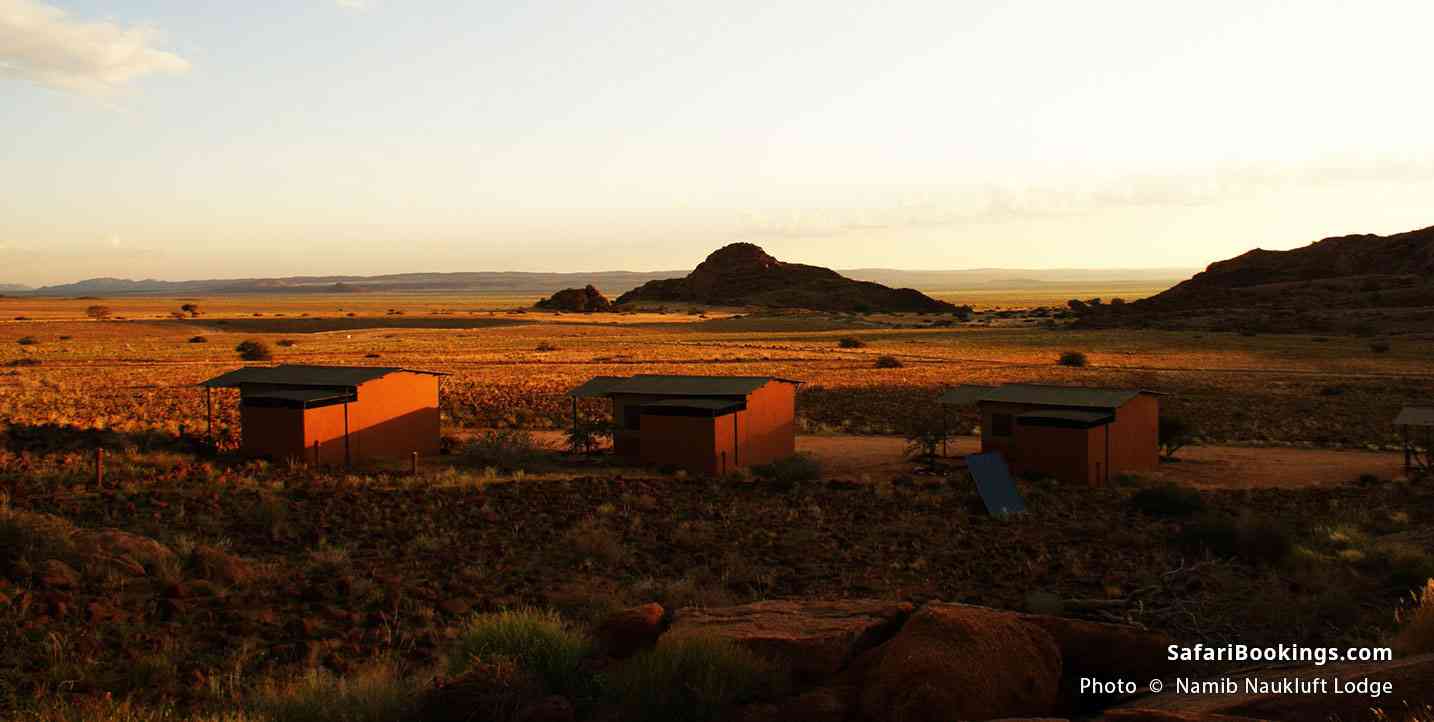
1000, 424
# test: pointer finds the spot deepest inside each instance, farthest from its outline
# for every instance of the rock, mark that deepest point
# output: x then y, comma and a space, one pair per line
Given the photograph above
580, 300
116, 543
818, 705
219, 566
742, 274
122, 565
814, 639
554, 708
1102, 651
1411, 679
629, 631
56, 574
952, 661
499, 689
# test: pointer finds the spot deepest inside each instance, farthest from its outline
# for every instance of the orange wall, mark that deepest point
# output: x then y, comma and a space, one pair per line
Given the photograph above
394, 416
1134, 442
766, 431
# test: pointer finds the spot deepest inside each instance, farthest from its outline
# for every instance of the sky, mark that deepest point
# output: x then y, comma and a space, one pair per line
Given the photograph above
174, 139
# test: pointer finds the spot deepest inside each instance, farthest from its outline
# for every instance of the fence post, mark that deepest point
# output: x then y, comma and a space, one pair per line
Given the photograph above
99, 468
415, 463
316, 452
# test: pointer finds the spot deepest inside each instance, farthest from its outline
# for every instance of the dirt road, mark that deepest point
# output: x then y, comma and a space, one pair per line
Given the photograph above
882, 458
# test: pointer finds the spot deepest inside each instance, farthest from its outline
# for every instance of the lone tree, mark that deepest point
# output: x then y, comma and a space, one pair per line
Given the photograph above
925, 431
190, 308
99, 313
587, 433
254, 350
1175, 433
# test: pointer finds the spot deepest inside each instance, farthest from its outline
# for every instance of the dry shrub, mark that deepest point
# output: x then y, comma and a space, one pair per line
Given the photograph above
692, 679
593, 540
538, 641
1074, 359
1416, 630
851, 342
254, 350
373, 694
506, 449
29, 538
888, 362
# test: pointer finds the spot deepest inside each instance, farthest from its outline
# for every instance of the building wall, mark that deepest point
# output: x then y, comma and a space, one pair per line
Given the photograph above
394, 416
1070, 455
1134, 442
699, 444
274, 433
1135, 435
765, 430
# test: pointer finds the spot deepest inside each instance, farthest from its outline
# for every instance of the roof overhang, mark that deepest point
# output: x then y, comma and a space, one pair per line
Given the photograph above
1065, 419
299, 398
694, 407
1415, 416
305, 376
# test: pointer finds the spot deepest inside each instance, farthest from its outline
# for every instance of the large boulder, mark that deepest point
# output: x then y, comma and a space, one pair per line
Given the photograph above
1411, 679
578, 300
953, 661
115, 543
1102, 651
813, 639
629, 631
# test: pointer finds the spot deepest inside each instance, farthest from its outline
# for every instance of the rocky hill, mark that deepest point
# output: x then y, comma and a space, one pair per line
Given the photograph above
742, 274
580, 300
1359, 282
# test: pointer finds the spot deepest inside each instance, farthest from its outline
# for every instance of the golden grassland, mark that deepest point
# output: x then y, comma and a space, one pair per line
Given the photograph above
139, 373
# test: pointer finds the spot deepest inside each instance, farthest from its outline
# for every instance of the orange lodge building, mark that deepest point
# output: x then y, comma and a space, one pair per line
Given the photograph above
705, 424
1074, 434
333, 414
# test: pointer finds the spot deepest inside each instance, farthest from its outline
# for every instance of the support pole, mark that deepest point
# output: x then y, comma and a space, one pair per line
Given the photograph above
415, 463
348, 458
316, 452
99, 468
736, 444
575, 425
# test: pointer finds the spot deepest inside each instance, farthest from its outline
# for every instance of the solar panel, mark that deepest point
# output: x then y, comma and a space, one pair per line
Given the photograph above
994, 483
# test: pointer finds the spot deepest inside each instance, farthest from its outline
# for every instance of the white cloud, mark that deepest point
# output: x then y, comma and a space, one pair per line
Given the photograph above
45, 45
354, 4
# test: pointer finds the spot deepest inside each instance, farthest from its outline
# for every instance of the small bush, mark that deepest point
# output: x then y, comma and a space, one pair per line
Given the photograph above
1174, 433
888, 362
27, 361
538, 641
27, 341
545, 346
1379, 346
1168, 500
286, 343
507, 449
1416, 624
198, 339
1072, 358
254, 350
376, 694
851, 342
99, 313
692, 679
1250, 538
794, 468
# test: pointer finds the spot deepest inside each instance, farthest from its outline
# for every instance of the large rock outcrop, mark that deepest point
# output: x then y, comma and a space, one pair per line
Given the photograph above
742, 274
1379, 283
578, 300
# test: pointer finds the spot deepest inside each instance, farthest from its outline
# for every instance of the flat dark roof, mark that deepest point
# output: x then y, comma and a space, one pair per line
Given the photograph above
674, 385
309, 376
1042, 395
1415, 416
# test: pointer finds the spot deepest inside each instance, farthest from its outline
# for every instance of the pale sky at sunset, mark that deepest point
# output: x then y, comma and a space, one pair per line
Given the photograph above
179, 139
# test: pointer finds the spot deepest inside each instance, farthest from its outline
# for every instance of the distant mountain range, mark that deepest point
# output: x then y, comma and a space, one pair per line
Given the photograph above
610, 282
